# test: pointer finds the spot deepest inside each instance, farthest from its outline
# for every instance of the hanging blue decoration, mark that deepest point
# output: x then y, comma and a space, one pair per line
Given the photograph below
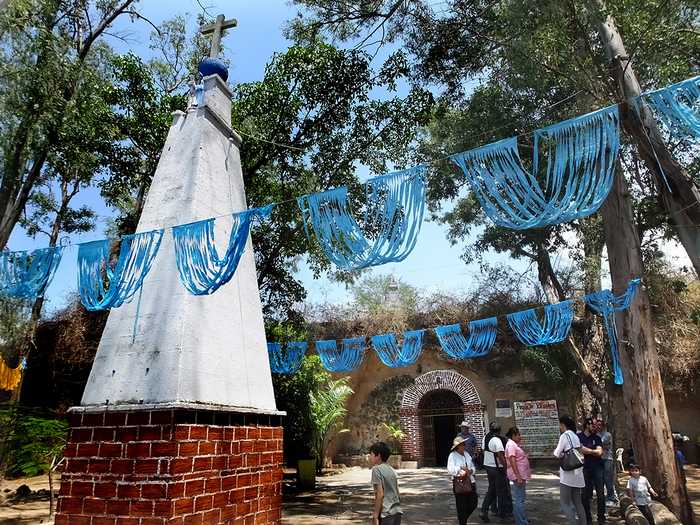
394, 213
577, 179
27, 274
103, 286
392, 355
202, 271
605, 303
482, 336
287, 358
345, 360
677, 106
555, 328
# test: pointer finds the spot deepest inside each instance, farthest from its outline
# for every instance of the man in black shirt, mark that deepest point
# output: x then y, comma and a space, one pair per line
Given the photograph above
593, 470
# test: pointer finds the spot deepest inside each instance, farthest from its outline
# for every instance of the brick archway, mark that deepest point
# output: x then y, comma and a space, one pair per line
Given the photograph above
412, 444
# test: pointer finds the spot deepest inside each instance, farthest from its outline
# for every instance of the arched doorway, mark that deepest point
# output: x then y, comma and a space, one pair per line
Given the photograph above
443, 394
440, 412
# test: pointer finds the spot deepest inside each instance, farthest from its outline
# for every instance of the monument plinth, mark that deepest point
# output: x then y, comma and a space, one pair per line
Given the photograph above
178, 422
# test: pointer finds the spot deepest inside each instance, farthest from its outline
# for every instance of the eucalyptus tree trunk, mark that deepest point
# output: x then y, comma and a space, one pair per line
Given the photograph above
681, 198
642, 391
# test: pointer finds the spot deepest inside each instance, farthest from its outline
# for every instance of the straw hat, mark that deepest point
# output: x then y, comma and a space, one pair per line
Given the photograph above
457, 442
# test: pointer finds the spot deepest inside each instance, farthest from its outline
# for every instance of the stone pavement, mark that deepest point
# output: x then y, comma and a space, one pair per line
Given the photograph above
426, 496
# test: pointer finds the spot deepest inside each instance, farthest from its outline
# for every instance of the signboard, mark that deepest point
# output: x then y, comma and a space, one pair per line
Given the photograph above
503, 408
538, 422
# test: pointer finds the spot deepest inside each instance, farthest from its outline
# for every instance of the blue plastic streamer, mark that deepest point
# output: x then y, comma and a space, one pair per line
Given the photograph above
605, 303
394, 213
677, 106
392, 355
345, 360
555, 328
577, 178
103, 286
202, 271
482, 336
27, 274
287, 358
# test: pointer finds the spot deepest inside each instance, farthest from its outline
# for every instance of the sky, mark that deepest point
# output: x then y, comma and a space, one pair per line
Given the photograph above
433, 266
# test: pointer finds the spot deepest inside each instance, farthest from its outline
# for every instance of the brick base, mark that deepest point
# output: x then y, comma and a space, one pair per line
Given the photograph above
175, 467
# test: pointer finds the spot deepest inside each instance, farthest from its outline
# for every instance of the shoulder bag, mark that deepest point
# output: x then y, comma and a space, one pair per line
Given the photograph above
462, 485
572, 458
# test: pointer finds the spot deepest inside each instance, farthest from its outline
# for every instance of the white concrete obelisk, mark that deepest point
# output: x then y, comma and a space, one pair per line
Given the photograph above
169, 348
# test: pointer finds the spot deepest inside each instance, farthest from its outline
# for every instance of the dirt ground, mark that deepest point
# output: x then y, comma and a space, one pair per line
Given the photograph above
345, 499
426, 498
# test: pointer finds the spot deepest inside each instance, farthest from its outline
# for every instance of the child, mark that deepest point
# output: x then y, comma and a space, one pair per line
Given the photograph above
640, 490
387, 510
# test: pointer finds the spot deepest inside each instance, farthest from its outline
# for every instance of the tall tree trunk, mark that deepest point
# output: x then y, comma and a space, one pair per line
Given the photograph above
682, 201
642, 391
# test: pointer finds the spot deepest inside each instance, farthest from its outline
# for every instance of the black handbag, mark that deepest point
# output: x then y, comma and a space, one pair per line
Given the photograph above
572, 458
462, 485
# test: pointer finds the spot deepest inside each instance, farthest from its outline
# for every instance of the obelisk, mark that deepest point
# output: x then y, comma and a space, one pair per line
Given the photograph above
178, 421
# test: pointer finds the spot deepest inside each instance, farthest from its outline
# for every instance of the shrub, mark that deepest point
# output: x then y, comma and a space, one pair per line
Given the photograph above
31, 441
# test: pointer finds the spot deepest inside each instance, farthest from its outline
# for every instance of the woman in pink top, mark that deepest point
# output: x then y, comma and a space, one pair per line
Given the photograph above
518, 474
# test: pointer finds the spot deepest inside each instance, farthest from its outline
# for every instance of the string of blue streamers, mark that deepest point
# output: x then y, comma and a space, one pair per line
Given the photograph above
201, 269
605, 303
677, 106
395, 356
27, 274
394, 210
482, 336
577, 178
344, 360
287, 358
101, 286
531, 332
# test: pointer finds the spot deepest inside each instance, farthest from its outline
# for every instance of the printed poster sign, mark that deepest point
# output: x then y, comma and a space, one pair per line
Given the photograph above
503, 408
538, 422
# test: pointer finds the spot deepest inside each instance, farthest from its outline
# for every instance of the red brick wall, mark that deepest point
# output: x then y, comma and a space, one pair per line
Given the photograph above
175, 467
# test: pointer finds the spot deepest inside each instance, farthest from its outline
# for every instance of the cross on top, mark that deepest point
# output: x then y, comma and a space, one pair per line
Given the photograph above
215, 30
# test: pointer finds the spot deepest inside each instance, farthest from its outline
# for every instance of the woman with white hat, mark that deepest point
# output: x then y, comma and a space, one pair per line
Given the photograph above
461, 468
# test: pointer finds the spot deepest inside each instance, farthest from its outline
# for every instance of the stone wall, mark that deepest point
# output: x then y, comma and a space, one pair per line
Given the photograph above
379, 389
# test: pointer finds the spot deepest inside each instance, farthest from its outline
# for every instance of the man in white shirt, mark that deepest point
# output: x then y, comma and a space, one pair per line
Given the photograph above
495, 465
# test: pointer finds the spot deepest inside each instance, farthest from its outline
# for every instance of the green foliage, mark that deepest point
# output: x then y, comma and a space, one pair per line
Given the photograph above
32, 442
395, 434
293, 395
327, 410
379, 292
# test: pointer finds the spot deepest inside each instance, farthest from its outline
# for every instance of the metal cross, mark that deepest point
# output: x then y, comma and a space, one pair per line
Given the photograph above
215, 29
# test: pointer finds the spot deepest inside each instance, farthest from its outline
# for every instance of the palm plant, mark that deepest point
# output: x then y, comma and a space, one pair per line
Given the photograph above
395, 435
327, 410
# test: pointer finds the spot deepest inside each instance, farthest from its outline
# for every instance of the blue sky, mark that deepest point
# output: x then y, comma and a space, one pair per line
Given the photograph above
433, 266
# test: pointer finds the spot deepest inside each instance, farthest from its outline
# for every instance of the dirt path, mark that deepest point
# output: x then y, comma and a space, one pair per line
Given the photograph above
29, 513
425, 495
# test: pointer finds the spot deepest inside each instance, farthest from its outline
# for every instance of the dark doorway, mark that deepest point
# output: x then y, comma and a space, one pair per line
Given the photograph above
444, 428
441, 411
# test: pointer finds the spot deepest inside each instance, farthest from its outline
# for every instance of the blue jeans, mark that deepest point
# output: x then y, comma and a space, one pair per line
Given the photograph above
518, 494
609, 468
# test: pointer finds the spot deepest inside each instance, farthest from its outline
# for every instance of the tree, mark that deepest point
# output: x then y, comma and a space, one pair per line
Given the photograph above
546, 53
374, 293
327, 409
46, 46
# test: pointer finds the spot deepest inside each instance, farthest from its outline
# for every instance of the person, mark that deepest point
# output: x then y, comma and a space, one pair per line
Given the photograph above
469, 438
571, 482
460, 465
518, 473
495, 465
640, 490
608, 462
593, 470
387, 505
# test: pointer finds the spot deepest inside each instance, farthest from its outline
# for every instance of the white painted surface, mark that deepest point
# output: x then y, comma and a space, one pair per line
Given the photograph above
182, 348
